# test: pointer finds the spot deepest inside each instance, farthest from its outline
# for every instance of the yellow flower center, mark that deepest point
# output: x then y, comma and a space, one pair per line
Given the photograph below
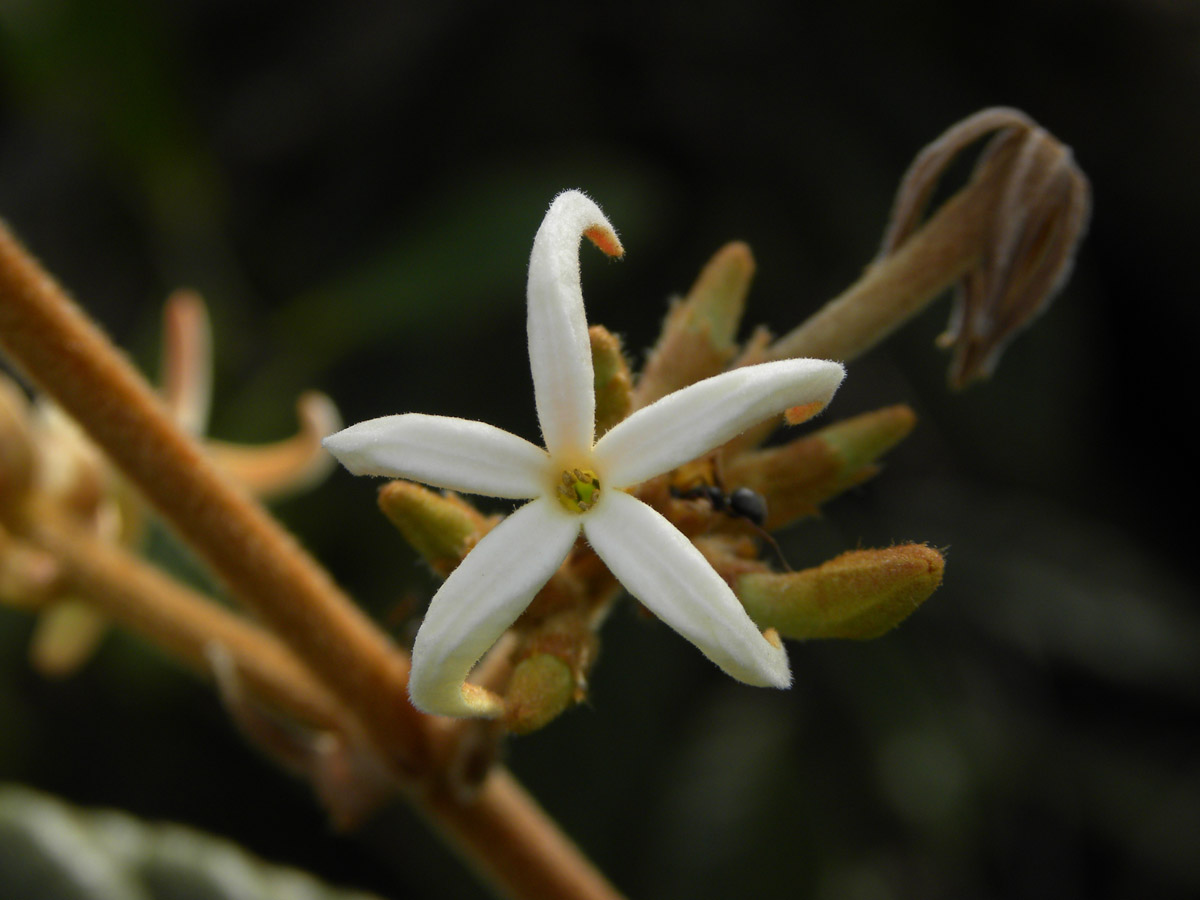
579, 491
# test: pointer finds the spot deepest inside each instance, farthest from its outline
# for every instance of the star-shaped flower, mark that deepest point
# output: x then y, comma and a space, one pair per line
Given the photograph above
578, 484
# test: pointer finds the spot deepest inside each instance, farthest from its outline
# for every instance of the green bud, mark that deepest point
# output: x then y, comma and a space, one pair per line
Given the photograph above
716, 301
542, 687
795, 478
859, 595
698, 335
441, 527
859, 441
614, 384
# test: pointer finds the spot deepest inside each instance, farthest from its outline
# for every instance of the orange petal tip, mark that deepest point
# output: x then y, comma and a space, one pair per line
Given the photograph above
605, 240
795, 415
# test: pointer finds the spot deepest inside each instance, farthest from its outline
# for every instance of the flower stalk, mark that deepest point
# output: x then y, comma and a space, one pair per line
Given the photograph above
894, 289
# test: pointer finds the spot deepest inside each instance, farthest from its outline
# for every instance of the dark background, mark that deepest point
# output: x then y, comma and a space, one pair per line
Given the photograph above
355, 188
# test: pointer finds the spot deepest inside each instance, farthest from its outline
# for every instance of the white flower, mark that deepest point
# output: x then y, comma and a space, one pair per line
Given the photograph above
578, 483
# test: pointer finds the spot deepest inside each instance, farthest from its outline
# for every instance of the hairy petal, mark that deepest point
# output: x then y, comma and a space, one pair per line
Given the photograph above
688, 423
559, 350
665, 571
480, 599
459, 454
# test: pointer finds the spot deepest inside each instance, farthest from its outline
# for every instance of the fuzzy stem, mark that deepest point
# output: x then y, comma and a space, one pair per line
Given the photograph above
62, 351
178, 620
514, 846
895, 288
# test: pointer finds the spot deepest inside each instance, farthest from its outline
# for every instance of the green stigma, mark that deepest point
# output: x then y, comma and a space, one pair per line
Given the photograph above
579, 491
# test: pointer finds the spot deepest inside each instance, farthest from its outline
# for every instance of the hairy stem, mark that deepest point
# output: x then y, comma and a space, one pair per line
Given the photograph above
63, 352
529, 856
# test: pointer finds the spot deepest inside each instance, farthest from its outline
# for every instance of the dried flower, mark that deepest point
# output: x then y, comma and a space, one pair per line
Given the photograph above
1006, 241
1039, 215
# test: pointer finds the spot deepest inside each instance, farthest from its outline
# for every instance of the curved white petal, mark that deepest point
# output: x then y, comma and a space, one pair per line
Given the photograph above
665, 571
688, 423
560, 353
459, 454
480, 599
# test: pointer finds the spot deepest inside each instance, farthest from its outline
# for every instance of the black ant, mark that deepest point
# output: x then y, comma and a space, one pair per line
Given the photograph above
742, 503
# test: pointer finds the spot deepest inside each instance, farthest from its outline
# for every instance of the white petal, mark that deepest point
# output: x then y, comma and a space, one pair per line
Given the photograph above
688, 423
459, 454
665, 571
480, 599
559, 350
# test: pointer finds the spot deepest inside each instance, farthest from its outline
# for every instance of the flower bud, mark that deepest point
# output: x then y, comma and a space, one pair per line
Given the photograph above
614, 384
551, 671
859, 595
540, 690
441, 527
795, 478
697, 339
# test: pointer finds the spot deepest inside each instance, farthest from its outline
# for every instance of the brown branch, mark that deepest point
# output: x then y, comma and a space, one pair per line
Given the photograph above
64, 353
528, 856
